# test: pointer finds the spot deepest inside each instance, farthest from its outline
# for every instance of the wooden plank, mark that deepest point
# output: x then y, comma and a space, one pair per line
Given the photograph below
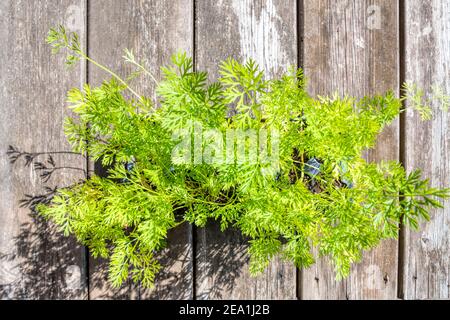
352, 47
36, 262
154, 30
265, 31
426, 268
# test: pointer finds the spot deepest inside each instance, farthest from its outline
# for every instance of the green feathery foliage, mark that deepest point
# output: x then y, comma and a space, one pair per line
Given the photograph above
321, 192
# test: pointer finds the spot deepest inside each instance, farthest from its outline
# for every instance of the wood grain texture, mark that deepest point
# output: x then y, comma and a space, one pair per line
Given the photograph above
36, 261
426, 270
265, 31
352, 47
154, 30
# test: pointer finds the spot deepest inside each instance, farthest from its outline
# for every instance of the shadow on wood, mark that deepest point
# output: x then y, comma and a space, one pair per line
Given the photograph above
47, 263
221, 257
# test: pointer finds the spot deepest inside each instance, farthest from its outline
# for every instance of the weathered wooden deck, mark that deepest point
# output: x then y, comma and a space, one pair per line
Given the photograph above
359, 47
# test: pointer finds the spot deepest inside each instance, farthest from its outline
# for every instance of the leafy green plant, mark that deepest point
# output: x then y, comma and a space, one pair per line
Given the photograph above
318, 192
